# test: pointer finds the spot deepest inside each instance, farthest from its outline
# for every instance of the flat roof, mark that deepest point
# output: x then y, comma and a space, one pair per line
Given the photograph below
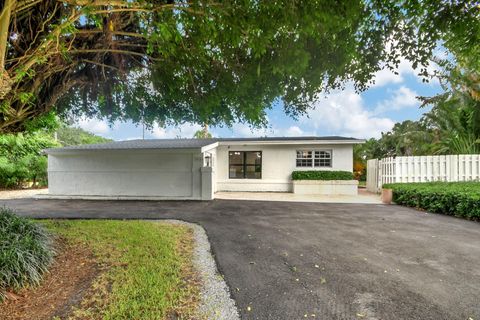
197, 143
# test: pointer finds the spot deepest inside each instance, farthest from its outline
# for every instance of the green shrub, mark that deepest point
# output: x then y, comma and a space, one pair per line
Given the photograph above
461, 199
8, 176
25, 251
21, 161
322, 175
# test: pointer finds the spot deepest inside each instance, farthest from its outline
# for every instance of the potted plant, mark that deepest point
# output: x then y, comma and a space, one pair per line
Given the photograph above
387, 194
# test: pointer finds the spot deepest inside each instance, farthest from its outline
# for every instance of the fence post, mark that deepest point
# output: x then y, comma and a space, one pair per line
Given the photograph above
476, 167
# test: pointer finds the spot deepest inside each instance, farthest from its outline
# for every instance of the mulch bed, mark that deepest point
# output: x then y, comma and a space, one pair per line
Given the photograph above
65, 285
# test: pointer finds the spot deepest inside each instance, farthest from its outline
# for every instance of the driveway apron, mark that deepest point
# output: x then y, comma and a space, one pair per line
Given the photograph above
293, 260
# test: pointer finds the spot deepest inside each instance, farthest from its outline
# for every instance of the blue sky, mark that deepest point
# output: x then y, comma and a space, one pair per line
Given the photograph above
343, 112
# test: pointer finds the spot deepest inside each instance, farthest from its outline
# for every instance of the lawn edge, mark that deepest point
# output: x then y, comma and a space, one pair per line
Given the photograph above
215, 297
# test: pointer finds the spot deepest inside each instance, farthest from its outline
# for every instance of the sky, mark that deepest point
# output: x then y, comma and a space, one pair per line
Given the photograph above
343, 112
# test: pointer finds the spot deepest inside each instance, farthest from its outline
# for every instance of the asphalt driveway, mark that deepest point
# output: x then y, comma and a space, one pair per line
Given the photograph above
290, 260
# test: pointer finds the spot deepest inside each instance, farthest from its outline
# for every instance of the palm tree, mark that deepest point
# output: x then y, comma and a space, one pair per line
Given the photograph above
203, 133
455, 116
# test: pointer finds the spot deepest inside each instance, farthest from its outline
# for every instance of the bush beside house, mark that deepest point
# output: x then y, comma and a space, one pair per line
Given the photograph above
21, 161
461, 199
26, 250
322, 175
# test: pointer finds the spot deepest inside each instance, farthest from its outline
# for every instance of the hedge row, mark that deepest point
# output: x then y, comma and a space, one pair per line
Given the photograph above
322, 175
461, 199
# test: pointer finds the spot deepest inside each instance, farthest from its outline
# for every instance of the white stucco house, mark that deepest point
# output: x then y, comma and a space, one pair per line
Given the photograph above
190, 168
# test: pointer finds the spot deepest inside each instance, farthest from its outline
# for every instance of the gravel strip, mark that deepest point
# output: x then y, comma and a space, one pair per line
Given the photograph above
216, 302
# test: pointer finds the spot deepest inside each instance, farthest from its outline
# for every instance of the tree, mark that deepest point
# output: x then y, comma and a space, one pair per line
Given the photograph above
452, 126
21, 159
407, 138
203, 61
455, 115
71, 136
203, 133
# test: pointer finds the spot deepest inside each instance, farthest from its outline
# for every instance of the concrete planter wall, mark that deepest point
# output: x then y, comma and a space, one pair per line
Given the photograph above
326, 187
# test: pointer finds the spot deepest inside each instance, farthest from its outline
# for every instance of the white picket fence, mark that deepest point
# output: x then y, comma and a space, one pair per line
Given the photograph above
422, 169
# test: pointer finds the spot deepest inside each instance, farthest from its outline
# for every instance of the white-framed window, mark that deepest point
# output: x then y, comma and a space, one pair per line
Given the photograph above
314, 158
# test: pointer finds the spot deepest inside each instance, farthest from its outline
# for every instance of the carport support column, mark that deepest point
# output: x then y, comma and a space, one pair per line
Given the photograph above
207, 183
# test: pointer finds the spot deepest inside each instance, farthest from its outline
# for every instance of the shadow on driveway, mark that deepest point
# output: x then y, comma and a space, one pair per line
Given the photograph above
286, 260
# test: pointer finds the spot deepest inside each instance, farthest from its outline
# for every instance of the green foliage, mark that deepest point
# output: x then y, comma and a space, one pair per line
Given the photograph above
21, 160
452, 126
25, 251
407, 138
202, 134
71, 136
461, 199
169, 62
455, 115
322, 175
48, 122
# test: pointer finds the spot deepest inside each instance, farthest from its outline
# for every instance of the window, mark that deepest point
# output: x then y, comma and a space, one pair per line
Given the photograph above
314, 158
304, 158
245, 165
323, 159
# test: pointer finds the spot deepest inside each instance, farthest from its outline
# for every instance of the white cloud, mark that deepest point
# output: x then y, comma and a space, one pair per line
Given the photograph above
245, 131
344, 113
133, 138
386, 76
95, 126
186, 130
294, 131
402, 98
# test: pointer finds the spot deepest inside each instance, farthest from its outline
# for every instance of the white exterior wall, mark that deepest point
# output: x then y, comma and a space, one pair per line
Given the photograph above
213, 154
127, 173
278, 162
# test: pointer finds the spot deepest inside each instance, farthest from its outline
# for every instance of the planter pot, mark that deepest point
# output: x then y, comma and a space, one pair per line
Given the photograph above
326, 187
387, 195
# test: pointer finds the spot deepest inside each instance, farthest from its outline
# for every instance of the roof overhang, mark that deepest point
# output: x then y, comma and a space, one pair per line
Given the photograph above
209, 147
202, 147
63, 151
290, 142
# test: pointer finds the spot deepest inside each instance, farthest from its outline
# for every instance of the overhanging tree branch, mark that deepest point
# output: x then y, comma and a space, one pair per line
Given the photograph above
5, 82
200, 61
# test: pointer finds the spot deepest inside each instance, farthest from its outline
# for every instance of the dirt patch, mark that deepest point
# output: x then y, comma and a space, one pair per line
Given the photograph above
21, 193
69, 279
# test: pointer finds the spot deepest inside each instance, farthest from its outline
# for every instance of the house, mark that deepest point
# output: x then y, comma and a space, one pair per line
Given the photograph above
190, 168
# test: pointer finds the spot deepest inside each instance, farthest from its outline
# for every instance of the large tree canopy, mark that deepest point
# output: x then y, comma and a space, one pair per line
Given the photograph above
209, 62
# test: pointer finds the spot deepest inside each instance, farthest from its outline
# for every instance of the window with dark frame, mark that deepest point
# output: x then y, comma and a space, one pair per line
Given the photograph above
314, 158
245, 165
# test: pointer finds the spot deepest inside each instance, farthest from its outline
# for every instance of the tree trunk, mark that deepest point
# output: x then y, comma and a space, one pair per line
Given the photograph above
5, 82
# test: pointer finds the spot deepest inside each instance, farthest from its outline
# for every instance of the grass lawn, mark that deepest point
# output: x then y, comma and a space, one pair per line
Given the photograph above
147, 268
